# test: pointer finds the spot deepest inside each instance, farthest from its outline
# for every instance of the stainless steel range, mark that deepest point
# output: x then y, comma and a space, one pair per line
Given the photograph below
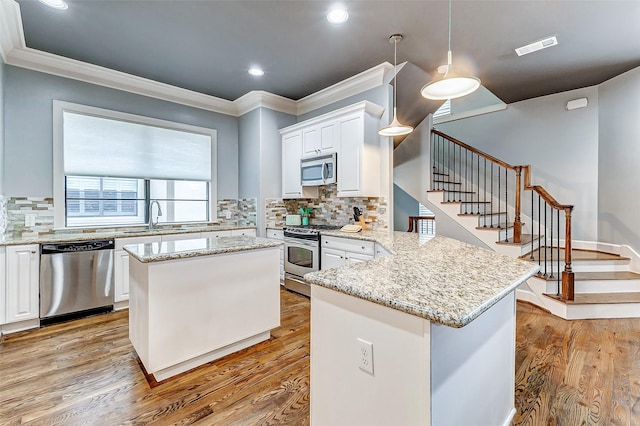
301, 255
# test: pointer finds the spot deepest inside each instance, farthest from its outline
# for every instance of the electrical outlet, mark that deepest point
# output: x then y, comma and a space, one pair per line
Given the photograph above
365, 356
227, 214
29, 219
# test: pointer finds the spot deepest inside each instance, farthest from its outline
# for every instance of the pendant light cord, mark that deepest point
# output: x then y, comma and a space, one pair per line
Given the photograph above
395, 74
449, 25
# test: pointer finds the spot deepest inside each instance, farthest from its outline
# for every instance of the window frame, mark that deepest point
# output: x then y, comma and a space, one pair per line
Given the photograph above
59, 197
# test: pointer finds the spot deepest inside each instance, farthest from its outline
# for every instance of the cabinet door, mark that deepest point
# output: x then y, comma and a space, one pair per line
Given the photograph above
215, 234
249, 232
292, 152
310, 141
178, 237
356, 257
121, 271
350, 159
381, 251
23, 280
331, 258
328, 137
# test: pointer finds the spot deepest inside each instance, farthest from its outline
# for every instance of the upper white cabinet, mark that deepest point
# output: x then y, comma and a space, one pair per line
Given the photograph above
291, 155
352, 133
22, 283
319, 139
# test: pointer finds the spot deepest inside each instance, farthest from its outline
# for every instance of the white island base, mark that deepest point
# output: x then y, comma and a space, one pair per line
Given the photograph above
424, 373
186, 312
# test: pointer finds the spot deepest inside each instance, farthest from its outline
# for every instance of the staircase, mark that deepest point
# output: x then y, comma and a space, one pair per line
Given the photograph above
496, 202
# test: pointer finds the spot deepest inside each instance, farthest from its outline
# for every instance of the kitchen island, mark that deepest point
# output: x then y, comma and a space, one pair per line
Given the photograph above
193, 301
425, 336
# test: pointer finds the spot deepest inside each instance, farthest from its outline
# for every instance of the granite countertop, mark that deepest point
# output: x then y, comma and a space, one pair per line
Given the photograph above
440, 279
87, 235
182, 249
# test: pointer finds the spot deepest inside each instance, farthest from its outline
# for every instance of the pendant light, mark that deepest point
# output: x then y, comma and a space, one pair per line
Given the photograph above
451, 85
395, 128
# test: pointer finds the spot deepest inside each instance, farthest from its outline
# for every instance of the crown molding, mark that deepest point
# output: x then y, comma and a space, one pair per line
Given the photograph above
260, 98
369, 79
471, 113
15, 52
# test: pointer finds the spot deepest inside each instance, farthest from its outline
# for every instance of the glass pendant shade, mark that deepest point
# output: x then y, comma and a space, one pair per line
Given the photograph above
395, 128
450, 86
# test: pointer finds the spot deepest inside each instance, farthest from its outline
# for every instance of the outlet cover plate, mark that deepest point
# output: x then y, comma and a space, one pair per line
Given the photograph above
365, 356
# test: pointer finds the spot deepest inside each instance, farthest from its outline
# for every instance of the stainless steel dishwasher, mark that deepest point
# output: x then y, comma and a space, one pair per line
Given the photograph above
76, 279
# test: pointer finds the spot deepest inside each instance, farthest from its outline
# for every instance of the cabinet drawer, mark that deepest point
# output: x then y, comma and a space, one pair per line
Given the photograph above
347, 244
277, 234
121, 242
178, 237
215, 234
248, 232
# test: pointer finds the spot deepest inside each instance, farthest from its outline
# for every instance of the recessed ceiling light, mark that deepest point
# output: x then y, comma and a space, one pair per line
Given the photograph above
256, 72
338, 15
537, 45
55, 4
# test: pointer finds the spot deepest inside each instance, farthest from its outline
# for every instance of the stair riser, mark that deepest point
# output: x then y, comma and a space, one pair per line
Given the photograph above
498, 218
589, 266
601, 286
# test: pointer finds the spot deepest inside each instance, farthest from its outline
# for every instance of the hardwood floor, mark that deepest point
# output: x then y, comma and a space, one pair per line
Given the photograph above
86, 373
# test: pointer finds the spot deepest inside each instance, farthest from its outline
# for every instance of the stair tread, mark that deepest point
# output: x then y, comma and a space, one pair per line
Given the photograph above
501, 225
599, 298
576, 255
606, 276
524, 240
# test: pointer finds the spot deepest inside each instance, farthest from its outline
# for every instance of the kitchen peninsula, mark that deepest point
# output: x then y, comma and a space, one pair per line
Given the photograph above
193, 301
425, 336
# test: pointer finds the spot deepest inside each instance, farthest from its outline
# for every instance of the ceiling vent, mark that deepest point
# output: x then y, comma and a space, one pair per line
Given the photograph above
537, 45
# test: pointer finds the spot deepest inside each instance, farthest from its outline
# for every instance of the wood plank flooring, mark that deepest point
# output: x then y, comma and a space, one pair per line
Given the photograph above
86, 373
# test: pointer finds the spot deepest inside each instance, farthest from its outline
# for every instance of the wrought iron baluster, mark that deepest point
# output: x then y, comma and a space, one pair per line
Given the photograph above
532, 222
506, 204
545, 238
551, 251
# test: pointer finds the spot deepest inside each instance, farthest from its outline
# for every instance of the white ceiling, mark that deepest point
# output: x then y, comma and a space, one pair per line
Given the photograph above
207, 46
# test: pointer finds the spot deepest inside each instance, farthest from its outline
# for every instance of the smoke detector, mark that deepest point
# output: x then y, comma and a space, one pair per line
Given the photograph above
537, 45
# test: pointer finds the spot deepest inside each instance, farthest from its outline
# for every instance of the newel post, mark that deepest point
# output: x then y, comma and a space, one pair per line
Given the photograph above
517, 223
567, 274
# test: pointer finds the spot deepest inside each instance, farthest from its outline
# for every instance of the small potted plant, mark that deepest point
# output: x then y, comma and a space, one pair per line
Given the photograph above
304, 212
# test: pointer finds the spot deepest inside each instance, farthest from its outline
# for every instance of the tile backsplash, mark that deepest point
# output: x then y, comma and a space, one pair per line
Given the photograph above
242, 212
329, 209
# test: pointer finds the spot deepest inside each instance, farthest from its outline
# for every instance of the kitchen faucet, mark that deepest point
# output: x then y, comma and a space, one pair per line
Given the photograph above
151, 223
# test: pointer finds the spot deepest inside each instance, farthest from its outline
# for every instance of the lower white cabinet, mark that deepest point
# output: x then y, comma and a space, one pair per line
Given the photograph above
338, 252
278, 234
215, 234
121, 268
177, 237
22, 283
249, 232
3, 286
381, 251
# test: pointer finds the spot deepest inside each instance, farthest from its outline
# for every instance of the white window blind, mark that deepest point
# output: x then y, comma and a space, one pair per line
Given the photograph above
98, 146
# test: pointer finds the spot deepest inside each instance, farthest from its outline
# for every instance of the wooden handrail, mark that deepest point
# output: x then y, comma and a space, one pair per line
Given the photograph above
413, 222
474, 150
567, 274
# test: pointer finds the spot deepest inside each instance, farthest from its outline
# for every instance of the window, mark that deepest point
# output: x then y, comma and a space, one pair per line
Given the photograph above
109, 167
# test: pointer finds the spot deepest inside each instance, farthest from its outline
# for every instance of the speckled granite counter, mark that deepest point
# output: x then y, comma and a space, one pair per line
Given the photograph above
99, 235
182, 249
440, 279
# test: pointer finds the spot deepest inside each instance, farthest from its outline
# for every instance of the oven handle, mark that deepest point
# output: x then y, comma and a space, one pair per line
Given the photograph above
293, 241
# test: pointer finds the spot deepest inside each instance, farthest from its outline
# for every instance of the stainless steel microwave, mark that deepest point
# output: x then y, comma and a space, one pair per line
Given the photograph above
320, 170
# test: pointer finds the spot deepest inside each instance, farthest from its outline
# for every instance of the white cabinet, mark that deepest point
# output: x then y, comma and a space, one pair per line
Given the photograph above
319, 139
22, 283
291, 155
359, 163
278, 234
352, 133
215, 234
381, 251
249, 232
178, 237
337, 251
121, 267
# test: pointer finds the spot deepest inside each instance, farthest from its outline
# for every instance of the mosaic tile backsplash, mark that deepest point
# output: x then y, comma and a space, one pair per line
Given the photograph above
328, 209
241, 212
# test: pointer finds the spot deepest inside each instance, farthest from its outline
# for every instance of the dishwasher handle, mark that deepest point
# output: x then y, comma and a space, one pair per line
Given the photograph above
77, 246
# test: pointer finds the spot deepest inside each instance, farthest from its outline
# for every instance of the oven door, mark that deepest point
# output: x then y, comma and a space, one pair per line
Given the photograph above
300, 256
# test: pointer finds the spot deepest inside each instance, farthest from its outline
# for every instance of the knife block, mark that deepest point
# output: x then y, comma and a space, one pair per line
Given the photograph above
361, 223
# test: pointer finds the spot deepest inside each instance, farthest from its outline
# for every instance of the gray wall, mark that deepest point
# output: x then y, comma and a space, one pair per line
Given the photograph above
378, 95
404, 205
28, 165
560, 145
260, 157
619, 160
